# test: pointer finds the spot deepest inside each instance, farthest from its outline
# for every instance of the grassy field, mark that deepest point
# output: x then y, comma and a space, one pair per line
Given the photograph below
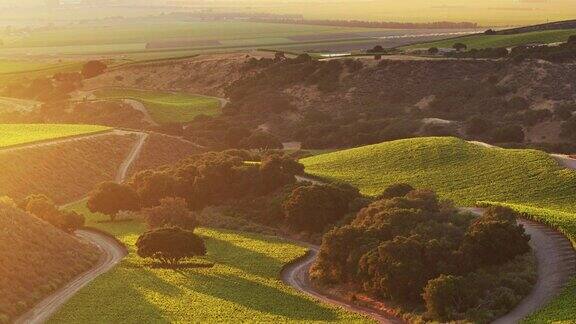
485, 41
17, 134
527, 180
243, 285
12, 70
166, 107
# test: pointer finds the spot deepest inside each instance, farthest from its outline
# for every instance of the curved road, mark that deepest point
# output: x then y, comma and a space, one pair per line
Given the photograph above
112, 252
556, 264
555, 256
296, 275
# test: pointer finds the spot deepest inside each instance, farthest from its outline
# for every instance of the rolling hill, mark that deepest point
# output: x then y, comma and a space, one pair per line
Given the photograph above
36, 259
527, 180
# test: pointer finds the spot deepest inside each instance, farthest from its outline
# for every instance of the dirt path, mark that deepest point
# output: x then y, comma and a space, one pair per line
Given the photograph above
123, 171
554, 253
556, 265
137, 105
112, 251
296, 276
564, 160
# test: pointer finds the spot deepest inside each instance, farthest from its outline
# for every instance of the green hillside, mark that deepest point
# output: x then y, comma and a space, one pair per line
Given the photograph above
485, 41
166, 107
528, 180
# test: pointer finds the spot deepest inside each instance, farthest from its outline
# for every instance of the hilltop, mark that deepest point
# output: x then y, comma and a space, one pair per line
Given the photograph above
37, 259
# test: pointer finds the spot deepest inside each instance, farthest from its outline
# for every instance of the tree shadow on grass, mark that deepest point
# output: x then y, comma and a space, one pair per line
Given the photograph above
260, 297
249, 261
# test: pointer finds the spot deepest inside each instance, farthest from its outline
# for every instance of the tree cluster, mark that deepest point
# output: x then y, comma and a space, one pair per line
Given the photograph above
405, 244
45, 209
208, 179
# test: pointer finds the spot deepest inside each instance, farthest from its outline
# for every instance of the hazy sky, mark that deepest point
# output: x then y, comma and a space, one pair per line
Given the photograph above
500, 12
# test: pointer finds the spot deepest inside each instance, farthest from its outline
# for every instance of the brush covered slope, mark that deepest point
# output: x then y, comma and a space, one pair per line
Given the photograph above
63, 171
527, 180
37, 259
242, 286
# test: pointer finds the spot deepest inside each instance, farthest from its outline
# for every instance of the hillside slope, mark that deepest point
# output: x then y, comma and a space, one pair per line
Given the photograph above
36, 259
527, 180
456, 169
161, 149
63, 171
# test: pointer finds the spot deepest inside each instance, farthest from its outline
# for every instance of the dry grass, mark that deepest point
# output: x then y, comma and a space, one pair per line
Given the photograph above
162, 150
36, 259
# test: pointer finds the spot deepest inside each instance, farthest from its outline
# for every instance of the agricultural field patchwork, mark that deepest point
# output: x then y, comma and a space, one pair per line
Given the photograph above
166, 107
527, 180
243, 285
494, 41
18, 134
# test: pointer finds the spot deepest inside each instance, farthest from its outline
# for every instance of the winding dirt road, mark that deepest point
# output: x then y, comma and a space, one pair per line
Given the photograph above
112, 252
556, 260
296, 275
555, 256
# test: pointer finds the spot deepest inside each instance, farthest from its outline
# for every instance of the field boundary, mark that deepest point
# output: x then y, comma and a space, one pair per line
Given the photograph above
57, 139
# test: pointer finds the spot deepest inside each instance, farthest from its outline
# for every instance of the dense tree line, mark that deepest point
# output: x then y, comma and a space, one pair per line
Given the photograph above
369, 24
203, 180
413, 249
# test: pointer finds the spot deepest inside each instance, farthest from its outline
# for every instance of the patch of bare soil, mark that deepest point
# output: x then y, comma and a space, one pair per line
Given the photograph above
205, 74
546, 132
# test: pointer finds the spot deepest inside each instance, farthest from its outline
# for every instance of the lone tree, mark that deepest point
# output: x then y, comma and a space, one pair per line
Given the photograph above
170, 245
460, 47
109, 198
433, 50
93, 69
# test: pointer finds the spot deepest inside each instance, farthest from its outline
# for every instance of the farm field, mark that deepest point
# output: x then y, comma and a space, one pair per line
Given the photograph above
17, 134
64, 171
243, 285
32, 69
527, 180
155, 38
166, 107
485, 41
